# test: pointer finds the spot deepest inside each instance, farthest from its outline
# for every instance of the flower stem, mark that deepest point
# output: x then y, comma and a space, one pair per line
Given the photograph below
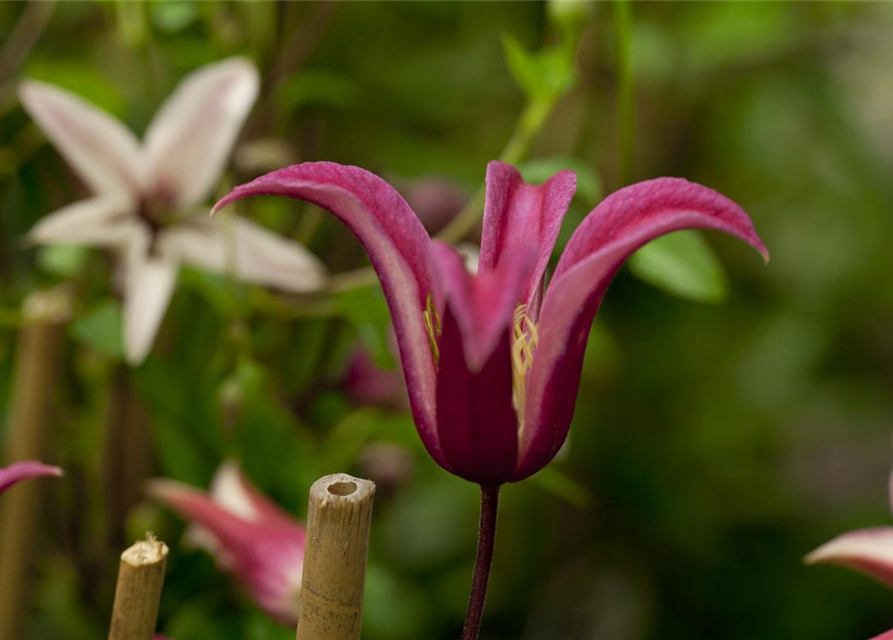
486, 540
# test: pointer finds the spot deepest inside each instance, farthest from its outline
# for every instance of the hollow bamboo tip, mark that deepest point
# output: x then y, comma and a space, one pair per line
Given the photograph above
140, 580
145, 553
334, 578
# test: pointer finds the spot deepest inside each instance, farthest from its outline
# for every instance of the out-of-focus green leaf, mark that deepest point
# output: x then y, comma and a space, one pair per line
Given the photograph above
543, 75
392, 608
101, 329
589, 184
225, 294
172, 16
683, 264
62, 261
366, 310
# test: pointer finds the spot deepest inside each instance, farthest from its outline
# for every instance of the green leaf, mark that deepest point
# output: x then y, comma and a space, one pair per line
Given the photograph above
101, 329
682, 264
62, 261
522, 65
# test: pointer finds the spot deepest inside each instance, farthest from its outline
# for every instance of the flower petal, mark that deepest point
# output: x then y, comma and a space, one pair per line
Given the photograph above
519, 213
149, 285
101, 150
484, 304
610, 233
267, 558
100, 221
867, 550
246, 250
476, 422
884, 636
397, 245
18, 471
193, 132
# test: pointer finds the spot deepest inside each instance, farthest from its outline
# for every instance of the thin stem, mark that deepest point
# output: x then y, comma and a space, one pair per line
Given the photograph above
623, 24
486, 540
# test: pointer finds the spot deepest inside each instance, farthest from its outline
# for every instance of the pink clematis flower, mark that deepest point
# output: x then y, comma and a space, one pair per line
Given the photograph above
248, 535
492, 361
146, 196
19, 471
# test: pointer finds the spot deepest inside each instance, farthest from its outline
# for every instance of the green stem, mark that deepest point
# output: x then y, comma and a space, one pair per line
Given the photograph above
623, 22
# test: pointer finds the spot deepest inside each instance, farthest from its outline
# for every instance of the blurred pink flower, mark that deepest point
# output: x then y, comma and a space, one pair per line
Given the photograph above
492, 360
248, 535
435, 200
18, 471
146, 196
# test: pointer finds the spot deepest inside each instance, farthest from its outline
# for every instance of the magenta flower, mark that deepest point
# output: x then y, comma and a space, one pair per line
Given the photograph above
18, 471
248, 535
492, 363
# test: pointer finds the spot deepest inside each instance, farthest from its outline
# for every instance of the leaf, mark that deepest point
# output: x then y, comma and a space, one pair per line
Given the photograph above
521, 64
62, 261
101, 329
682, 264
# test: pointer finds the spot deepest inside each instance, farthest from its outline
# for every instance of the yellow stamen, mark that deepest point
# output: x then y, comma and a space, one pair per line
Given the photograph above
525, 339
433, 327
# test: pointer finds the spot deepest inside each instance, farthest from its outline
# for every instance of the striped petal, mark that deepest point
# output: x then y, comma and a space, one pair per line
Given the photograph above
101, 150
244, 250
149, 282
622, 223
194, 131
397, 245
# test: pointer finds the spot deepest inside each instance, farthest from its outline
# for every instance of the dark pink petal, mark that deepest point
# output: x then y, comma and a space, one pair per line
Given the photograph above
884, 636
617, 227
266, 556
518, 213
397, 245
483, 304
866, 550
476, 421
18, 471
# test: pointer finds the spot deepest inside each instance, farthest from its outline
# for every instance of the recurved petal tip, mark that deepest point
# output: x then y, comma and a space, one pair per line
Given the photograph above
867, 550
19, 471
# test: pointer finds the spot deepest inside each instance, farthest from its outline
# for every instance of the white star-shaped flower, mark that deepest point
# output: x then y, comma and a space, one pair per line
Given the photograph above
146, 202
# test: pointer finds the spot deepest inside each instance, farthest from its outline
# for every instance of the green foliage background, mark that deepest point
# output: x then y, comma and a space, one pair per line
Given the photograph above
713, 444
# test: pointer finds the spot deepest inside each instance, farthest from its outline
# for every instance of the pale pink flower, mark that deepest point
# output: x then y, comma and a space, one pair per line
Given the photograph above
146, 196
248, 535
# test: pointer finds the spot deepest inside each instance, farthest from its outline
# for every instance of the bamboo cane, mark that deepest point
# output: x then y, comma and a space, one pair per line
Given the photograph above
140, 579
36, 374
334, 578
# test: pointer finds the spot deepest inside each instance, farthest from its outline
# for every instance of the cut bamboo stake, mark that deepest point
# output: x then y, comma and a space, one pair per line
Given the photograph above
334, 578
138, 593
37, 370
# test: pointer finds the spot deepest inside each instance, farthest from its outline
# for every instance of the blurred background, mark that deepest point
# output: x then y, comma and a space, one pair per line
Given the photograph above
732, 416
